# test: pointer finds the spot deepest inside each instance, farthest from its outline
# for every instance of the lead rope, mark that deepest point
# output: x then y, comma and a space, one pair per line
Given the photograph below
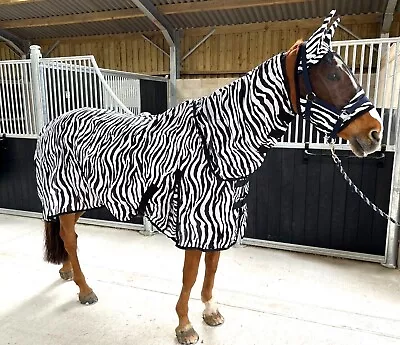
338, 163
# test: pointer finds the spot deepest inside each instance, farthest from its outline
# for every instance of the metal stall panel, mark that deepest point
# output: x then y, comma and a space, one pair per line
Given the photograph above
300, 200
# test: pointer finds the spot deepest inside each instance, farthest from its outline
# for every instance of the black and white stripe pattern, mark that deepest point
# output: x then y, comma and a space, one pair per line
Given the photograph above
186, 169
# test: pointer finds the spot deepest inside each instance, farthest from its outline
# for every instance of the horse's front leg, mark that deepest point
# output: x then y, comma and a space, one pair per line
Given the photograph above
211, 314
68, 235
185, 332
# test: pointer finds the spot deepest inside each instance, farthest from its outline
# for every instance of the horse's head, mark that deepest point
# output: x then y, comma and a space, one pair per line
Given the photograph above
328, 94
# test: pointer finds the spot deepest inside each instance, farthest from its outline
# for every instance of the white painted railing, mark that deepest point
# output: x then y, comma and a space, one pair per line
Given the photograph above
35, 91
16, 104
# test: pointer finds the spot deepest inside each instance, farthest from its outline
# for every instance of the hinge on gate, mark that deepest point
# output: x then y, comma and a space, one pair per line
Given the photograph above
2, 148
305, 152
382, 160
3, 141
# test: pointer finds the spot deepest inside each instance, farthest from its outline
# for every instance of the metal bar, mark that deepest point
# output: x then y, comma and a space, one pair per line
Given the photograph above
155, 45
353, 63
81, 71
60, 91
27, 96
13, 46
360, 79
313, 250
37, 98
17, 44
54, 46
173, 76
52, 91
392, 237
21, 99
4, 117
133, 75
9, 104
388, 16
351, 33
366, 41
377, 74
31, 102
148, 8
383, 105
198, 44
86, 75
392, 94
370, 61
107, 87
89, 93
25, 84
96, 89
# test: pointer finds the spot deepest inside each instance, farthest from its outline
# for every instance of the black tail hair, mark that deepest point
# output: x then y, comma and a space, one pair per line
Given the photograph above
54, 250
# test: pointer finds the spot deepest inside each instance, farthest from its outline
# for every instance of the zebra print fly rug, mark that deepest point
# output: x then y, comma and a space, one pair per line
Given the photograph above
185, 169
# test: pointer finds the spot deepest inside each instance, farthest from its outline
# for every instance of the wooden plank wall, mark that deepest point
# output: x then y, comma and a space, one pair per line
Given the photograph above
229, 52
6, 53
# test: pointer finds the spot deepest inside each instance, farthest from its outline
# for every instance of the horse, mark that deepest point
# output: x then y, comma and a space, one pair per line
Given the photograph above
187, 169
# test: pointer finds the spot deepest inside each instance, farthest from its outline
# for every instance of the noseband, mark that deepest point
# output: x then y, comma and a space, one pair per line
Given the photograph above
357, 106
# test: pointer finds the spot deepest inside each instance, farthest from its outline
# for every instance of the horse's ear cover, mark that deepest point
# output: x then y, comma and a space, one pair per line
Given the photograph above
319, 42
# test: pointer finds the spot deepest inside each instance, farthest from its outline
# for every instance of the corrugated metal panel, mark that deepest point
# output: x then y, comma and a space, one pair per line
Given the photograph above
86, 29
51, 8
308, 9
167, 2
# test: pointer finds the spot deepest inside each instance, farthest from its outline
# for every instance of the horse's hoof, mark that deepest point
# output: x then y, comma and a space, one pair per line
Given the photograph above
213, 319
187, 335
67, 275
90, 298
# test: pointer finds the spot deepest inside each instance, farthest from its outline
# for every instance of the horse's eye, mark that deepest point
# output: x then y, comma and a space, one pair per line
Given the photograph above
334, 76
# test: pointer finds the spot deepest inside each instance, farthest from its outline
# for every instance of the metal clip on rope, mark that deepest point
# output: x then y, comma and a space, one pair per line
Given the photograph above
338, 163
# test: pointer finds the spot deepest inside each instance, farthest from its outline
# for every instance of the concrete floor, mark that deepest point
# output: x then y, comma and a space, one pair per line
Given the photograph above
267, 296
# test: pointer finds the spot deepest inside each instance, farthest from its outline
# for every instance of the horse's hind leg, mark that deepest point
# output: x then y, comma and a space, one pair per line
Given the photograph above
67, 232
66, 271
211, 314
185, 332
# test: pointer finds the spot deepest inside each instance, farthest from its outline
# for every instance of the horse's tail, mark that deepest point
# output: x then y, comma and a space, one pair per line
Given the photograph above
54, 250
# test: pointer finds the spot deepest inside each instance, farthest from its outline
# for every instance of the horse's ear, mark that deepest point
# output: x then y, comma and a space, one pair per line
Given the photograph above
331, 30
320, 41
319, 34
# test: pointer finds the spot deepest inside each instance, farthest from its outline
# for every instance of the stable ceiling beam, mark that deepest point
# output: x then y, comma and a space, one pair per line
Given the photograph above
388, 16
180, 8
151, 12
171, 36
18, 45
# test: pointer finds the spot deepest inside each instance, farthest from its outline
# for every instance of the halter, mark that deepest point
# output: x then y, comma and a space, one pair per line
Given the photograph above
342, 116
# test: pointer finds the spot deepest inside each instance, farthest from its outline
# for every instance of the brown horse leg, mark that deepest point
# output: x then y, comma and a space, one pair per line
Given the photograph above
67, 233
185, 332
211, 315
66, 271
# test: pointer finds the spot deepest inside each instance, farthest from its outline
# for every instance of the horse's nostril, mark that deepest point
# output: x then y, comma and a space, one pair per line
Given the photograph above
375, 135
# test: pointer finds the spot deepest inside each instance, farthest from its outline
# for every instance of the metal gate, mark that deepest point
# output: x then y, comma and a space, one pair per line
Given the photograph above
35, 91
299, 202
